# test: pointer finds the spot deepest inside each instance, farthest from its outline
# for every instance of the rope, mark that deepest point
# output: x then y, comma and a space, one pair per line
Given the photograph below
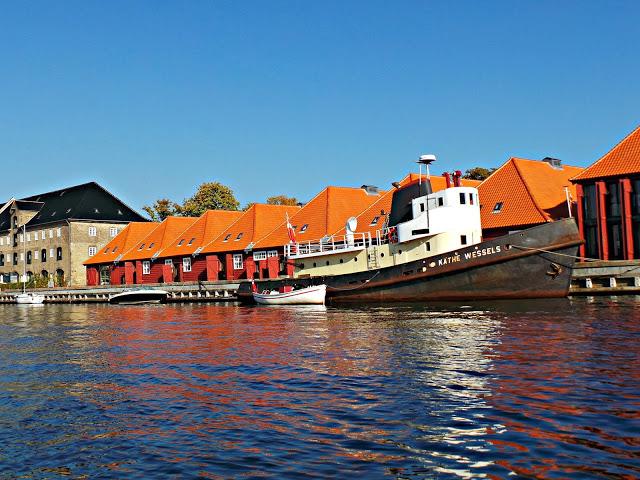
587, 259
357, 286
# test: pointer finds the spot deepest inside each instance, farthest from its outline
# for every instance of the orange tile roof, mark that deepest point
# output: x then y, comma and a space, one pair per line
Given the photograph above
161, 237
121, 243
531, 192
324, 214
365, 218
256, 223
211, 224
623, 159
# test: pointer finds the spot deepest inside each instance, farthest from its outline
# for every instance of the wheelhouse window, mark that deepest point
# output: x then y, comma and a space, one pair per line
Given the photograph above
463, 239
237, 261
146, 267
186, 264
471, 199
463, 198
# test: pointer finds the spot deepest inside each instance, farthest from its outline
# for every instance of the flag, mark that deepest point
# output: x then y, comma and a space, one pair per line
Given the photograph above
290, 231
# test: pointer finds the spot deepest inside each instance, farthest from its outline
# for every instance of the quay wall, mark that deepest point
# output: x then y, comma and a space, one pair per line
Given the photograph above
178, 292
612, 277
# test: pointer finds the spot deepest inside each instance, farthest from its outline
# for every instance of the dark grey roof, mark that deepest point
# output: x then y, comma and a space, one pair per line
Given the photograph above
88, 201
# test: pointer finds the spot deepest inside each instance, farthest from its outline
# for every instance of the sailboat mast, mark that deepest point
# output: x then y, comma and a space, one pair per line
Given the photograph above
24, 258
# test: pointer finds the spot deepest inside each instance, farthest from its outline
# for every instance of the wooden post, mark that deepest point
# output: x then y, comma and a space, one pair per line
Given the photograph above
580, 219
627, 229
602, 220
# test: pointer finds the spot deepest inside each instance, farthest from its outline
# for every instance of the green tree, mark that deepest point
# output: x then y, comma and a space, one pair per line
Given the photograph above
478, 173
282, 200
161, 209
210, 196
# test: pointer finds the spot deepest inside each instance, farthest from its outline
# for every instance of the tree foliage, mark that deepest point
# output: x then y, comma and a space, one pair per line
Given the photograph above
209, 196
282, 200
161, 209
478, 173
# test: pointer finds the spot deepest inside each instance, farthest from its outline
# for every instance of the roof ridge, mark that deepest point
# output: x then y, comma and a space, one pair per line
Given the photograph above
577, 177
545, 216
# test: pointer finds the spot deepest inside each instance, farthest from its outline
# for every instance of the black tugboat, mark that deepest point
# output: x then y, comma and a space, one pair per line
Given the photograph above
430, 249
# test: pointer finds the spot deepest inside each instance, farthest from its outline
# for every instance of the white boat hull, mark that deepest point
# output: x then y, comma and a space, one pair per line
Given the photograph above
29, 299
136, 297
306, 296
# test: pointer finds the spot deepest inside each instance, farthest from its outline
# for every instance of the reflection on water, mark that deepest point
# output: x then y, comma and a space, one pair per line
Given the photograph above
537, 389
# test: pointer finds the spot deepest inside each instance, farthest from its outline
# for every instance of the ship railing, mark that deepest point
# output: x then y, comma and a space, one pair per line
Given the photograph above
339, 243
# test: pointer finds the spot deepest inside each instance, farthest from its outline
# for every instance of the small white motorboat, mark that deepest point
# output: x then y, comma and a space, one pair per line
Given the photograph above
29, 298
288, 296
139, 296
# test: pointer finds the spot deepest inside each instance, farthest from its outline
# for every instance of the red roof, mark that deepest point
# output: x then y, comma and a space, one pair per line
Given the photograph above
256, 223
205, 229
121, 243
623, 159
530, 192
160, 238
323, 215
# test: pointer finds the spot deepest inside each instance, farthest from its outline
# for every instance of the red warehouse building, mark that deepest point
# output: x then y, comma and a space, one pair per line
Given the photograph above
609, 203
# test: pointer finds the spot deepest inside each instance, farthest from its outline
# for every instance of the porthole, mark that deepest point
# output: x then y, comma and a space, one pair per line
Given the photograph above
382, 254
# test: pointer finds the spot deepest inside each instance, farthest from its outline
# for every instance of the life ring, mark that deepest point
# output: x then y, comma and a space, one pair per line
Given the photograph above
391, 235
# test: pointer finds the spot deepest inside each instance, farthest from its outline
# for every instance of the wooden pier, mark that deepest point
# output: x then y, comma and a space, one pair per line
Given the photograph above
178, 292
613, 277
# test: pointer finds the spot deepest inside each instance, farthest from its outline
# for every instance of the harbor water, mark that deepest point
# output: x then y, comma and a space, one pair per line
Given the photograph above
539, 389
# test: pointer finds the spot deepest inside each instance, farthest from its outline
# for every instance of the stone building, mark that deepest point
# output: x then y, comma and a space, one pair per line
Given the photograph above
53, 233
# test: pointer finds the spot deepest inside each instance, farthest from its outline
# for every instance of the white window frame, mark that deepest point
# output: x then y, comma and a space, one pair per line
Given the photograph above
50, 233
35, 236
186, 264
113, 231
92, 251
146, 267
58, 232
168, 261
238, 263
52, 253
28, 236
93, 232
261, 255
272, 253
36, 254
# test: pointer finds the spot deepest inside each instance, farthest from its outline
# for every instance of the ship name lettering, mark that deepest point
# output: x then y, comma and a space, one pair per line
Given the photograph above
482, 252
448, 260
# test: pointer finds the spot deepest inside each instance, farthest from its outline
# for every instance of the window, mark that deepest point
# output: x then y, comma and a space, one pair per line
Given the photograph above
237, 261
259, 255
181, 242
59, 232
142, 246
15, 258
106, 250
497, 208
304, 228
272, 253
463, 198
168, 262
44, 234
440, 201
93, 231
239, 236
50, 233
186, 264
28, 237
422, 207
227, 237
93, 251
35, 254
59, 253
43, 254
113, 231
150, 246
51, 252
115, 249
191, 241
463, 239
22, 257
374, 221
428, 246
1, 260
2, 240
471, 199
21, 238
146, 267
35, 236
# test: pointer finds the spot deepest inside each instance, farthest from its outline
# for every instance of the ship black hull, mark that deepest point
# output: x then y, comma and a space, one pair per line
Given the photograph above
533, 263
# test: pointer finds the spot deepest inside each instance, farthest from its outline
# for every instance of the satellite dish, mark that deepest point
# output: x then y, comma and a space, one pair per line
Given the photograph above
352, 224
427, 159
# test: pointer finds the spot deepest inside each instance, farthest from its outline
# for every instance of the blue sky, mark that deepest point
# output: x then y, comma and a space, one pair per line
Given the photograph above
152, 98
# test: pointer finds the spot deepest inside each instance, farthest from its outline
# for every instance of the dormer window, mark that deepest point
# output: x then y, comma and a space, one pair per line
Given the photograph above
96, 210
106, 250
142, 246
119, 212
374, 221
239, 236
53, 214
62, 193
181, 242
497, 208
191, 241
304, 228
227, 237
115, 249
151, 245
